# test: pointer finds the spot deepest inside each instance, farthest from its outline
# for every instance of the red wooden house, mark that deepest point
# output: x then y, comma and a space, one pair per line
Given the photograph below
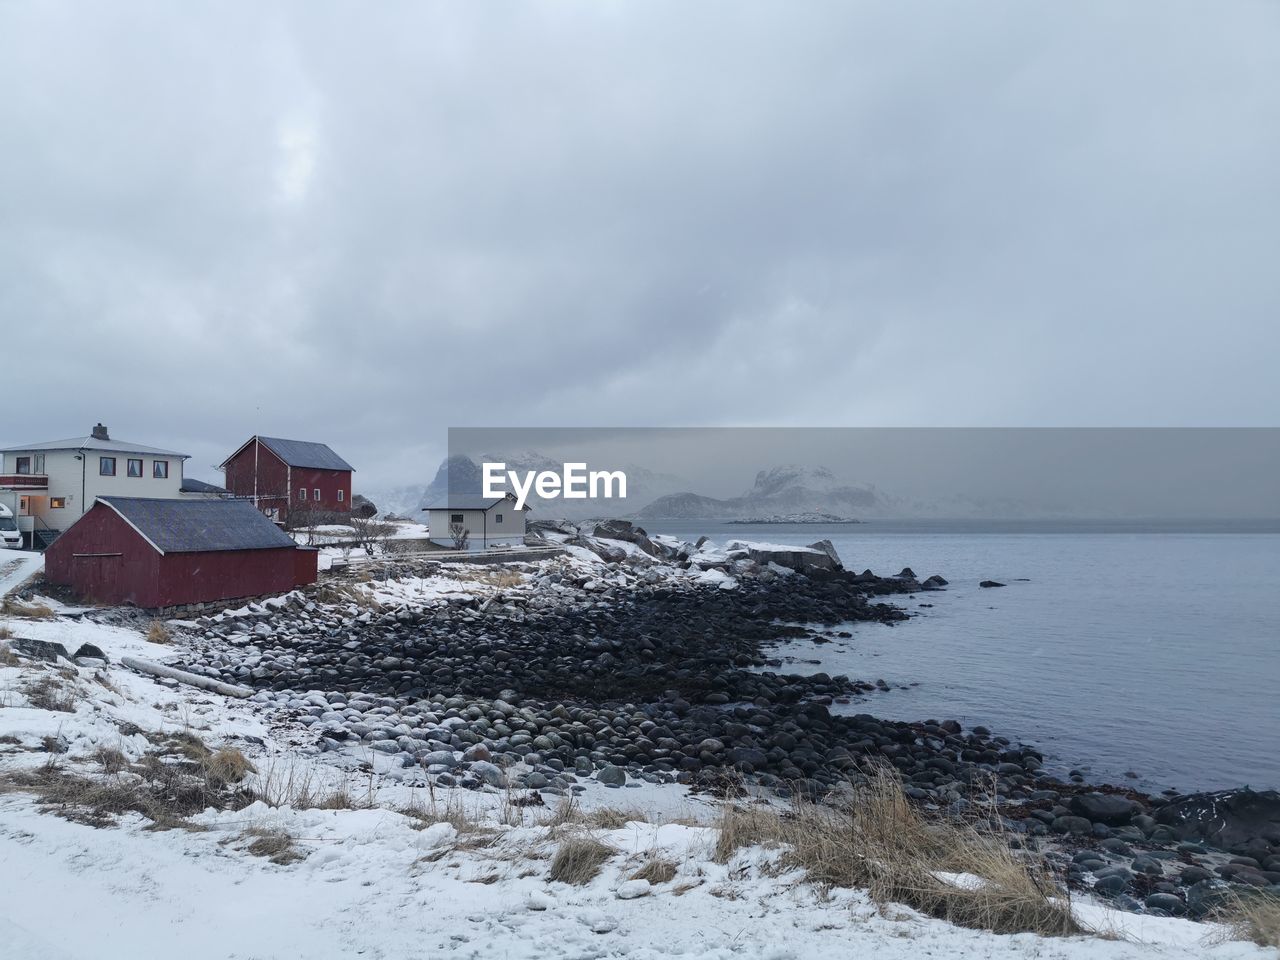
283, 476
167, 553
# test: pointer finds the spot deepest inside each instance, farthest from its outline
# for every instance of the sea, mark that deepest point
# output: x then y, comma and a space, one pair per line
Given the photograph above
1145, 653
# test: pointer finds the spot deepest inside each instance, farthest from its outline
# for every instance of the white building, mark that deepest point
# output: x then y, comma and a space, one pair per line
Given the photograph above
488, 521
49, 485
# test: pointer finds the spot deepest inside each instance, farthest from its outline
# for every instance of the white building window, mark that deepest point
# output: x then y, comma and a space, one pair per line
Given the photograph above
302, 493
134, 468
160, 469
455, 518
316, 494
497, 518
106, 466
22, 465
340, 494
57, 503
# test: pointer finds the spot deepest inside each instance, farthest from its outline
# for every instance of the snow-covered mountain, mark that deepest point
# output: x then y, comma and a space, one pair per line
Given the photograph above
780, 491
463, 474
793, 490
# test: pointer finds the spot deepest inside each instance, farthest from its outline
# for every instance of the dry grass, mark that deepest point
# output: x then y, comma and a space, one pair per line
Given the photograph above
1253, 916
27, 611
159, 632
656, 869
336, 593
50, 693
227, 765
275, 845
578, 860
111, 760
881, 843
5, 633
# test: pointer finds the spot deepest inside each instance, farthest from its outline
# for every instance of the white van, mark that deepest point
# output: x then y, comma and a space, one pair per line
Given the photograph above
10, 538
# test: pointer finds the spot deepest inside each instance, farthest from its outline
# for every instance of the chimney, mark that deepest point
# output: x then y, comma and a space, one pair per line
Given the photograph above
100, 433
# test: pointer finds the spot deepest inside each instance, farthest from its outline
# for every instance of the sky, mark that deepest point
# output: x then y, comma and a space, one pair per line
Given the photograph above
366, 223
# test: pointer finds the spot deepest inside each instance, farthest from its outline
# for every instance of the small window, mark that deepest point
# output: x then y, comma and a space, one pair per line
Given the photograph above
302, 493
160, 469
39, 463
316, 493
22, 465
135, 468
340, 494
455, 518
57, 503
106, 466
497, 518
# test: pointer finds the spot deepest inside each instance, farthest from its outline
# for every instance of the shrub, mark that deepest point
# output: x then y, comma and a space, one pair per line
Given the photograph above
159, 632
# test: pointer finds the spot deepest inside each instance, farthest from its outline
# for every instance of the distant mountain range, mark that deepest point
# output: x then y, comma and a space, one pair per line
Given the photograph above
781, 491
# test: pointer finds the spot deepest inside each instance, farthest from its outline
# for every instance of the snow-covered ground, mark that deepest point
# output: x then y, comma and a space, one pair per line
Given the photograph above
419, 872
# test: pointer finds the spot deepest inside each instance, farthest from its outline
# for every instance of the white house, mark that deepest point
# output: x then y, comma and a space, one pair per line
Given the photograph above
49, 485
488, 521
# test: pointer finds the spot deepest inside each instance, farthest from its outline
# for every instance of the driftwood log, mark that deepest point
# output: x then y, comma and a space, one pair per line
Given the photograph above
182, 676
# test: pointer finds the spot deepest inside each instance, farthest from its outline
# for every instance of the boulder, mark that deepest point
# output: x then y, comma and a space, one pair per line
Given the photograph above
626, 530
800, 559
1225, 819
39, 649
1113, 810
991, 583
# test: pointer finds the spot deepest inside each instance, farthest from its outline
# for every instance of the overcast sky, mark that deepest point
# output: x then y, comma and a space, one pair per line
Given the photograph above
364, 223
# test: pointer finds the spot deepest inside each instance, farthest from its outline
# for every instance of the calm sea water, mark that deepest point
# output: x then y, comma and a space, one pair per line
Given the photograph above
1115, 647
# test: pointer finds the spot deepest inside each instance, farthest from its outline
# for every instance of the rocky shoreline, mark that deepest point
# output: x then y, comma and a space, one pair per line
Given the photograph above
637, 664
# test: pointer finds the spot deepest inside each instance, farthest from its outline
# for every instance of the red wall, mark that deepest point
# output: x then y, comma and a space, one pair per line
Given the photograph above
140, 575
278, 485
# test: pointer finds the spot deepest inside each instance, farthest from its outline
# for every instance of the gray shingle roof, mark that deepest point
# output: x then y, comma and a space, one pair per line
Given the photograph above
192, 485
90, 443
193, 526
466, 501
303, 453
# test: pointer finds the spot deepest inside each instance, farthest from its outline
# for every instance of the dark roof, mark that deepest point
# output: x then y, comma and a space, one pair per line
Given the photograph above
303, 453
192, 485
195, 526
467, 501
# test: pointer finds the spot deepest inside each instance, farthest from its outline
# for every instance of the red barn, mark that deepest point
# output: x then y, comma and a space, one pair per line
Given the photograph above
283, 476
169, 553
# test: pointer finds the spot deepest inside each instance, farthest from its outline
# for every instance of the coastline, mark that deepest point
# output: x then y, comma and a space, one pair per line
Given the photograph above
636, 661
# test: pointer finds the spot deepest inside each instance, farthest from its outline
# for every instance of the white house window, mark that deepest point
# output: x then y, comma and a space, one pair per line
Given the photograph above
340, 494
39, 463
57, 503
315, 494
497, 518
160, 469
302, 493
106, 466
22, 465
455, 518
135, 468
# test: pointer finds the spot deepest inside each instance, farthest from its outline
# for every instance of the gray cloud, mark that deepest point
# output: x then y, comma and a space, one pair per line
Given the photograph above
364, 224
